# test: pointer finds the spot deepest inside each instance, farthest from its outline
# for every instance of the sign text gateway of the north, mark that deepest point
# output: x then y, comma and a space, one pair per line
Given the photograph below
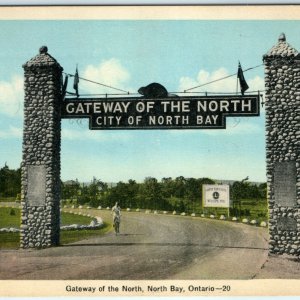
44, 107
168, 113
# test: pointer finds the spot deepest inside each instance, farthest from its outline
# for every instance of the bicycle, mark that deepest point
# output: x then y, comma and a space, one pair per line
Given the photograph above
117, 224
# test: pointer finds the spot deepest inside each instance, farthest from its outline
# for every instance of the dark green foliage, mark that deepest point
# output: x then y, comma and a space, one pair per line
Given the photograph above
245, 190
77, 193
180, 194
10, 182
12, 212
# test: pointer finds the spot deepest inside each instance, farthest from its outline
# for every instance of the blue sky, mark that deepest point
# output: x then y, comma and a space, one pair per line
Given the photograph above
131, 54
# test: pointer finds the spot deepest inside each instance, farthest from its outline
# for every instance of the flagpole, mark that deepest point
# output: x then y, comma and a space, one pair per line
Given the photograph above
237, 82
243, 84
76, 81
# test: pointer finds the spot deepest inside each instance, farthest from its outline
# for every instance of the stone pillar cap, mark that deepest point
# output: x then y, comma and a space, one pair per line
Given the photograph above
282, 49
282, 38
43, 49
43, 59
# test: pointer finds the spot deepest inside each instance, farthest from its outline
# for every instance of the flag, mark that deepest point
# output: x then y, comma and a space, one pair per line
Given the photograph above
76, 81
243, 84
64, 87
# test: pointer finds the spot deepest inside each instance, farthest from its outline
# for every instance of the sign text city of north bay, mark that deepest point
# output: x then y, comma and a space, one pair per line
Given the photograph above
167, 113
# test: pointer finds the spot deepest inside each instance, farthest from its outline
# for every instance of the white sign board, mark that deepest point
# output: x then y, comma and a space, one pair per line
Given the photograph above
216, 195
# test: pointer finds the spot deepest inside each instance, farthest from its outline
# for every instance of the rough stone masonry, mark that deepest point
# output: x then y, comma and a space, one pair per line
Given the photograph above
41, 152
282, 83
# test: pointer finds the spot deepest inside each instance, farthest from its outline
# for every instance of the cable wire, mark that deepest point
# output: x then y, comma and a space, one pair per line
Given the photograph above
219, 79
137, 94
108, 86
187, 90
102, 94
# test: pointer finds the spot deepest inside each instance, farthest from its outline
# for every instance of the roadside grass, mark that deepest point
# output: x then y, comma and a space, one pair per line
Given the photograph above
7, 199
69, 219
9, 240
10, 217
254, 209
71, 236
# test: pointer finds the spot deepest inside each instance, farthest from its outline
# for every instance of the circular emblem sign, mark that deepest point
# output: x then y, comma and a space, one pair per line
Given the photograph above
216, 195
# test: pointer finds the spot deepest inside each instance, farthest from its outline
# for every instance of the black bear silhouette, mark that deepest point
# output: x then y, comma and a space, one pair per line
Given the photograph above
153, 90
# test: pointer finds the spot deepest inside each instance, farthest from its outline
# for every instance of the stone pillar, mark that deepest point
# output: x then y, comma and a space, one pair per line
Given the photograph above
40, 224
282, 83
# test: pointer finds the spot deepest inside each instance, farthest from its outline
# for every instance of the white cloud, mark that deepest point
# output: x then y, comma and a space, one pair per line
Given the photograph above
11, 96
109, 72
11, 132
235, 126
227, 85
256, 84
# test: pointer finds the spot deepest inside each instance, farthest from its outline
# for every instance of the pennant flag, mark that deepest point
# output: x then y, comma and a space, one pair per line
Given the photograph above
76, 81
64, 87
243, 84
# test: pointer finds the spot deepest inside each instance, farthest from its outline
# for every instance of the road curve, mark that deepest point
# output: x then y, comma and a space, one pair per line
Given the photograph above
149, 247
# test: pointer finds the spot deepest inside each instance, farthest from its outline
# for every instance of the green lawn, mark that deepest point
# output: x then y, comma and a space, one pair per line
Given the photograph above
70, 236
10, 217
254, 209
7, 199
68, 219
9, 240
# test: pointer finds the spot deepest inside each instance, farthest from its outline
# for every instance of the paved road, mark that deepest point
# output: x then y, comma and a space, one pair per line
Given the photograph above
149, 247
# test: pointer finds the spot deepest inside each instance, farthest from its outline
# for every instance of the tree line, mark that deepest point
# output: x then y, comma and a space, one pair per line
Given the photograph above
180, 193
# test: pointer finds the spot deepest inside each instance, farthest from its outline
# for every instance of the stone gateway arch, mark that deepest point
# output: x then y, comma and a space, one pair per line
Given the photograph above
40, 226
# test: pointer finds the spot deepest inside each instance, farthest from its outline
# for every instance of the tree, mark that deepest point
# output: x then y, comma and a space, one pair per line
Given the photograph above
10, 182
246, 190
132, 193
239, 190
179, 187
167, 187
151, 190
70, 189
263, 190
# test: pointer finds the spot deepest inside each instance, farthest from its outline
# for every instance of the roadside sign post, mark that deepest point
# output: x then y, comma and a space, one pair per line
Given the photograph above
216, 195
